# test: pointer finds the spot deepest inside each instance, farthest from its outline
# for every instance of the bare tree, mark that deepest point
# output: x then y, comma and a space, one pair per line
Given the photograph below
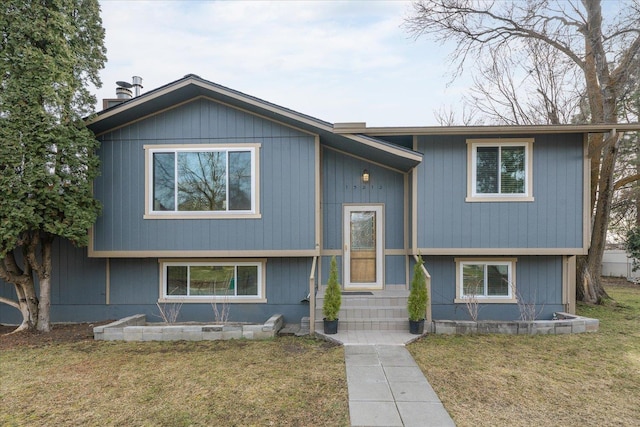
604, 56
532, 86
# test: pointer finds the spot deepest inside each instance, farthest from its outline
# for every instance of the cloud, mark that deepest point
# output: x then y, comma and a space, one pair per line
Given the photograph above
338, 61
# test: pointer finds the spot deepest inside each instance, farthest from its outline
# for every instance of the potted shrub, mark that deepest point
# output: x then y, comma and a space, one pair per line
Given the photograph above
332, 300
418, 298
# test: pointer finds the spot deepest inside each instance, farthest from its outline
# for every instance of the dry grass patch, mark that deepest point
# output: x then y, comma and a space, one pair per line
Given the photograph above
286, 381
586, 379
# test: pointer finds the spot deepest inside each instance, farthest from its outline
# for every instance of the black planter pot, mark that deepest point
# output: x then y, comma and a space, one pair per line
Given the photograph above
416, 327
330, 326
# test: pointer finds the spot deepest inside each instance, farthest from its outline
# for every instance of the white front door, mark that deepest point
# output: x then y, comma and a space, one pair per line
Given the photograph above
363, 260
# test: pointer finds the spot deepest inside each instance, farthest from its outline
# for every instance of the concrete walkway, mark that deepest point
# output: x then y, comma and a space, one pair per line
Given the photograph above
387, 388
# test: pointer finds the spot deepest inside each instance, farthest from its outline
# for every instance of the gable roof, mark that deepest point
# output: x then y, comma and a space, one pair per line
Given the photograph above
191, 87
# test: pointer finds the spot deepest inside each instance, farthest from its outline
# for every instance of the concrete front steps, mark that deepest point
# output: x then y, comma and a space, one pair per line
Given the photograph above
384, 310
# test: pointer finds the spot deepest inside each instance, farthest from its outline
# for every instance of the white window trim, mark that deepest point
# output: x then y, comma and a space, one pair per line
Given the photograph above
473, 144
508, 299
231, 299
253, 148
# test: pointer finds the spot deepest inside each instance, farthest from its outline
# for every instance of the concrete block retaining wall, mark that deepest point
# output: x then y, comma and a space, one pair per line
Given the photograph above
566, 324
136, 328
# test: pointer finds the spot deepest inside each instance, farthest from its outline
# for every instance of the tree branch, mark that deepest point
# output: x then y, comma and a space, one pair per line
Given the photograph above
10, 302
626, 180
9, 270
32, 247
451, 18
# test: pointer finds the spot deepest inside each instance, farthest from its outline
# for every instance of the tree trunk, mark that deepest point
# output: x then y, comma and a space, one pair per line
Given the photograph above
28, 305
590, 270
22, 279
35, 311
43, 270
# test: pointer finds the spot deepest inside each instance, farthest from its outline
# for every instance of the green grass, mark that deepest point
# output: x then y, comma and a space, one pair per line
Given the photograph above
284, 382
489, 380
585, 379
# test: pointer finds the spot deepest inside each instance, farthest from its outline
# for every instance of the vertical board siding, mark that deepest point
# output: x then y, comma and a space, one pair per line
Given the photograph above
286, 184
135, 289
553, 220
134, 281
395, 270
342, 183
538, 280
76, 279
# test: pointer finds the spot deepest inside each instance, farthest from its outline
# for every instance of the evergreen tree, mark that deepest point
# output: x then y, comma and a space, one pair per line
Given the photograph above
418, 298
50, 51
332, 296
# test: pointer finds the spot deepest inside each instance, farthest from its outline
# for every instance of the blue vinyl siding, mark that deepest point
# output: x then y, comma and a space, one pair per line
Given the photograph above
79, 291
553, 220
538, 279
286, 183
341, 183
395, 270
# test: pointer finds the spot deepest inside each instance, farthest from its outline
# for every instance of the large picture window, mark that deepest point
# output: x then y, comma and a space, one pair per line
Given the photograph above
500, 171
203, 280
486, 280
202, 180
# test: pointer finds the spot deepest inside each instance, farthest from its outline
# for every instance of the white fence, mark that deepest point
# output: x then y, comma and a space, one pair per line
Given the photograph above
617, 263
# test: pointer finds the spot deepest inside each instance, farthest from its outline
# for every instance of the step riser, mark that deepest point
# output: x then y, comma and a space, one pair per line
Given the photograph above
369, 325
382, 311
368, 302
358, 313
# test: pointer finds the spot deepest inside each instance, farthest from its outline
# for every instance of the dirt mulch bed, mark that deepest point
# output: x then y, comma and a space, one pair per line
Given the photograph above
60, 333
69, 333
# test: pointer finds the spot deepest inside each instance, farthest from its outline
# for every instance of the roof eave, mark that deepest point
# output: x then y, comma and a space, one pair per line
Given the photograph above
361, 128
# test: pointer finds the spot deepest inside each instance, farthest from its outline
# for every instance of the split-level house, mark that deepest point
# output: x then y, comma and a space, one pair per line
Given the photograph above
212, 196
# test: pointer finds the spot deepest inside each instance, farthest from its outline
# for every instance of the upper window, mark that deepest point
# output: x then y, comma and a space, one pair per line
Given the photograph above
204, 181
500, 171
211, 281
485, 280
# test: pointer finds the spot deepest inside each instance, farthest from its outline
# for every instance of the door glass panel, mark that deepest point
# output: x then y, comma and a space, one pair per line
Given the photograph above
363, 230
363, 247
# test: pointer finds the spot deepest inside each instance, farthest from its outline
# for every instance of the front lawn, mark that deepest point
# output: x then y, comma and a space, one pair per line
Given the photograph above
284, 382
570, 380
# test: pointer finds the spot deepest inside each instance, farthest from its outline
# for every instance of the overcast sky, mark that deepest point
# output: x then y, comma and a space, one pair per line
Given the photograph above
335, 60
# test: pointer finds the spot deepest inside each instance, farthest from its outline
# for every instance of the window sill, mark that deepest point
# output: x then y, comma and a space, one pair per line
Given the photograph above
202, 216
212, 300
484, 300
474, 199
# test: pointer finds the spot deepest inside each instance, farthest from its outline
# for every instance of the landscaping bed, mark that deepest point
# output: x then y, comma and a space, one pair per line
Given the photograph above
136, 328
564, 323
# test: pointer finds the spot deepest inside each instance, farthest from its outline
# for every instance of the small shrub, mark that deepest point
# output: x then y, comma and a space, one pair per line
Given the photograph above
527, 308
418, 298
471, 300
221, 315
332, 296
169, 312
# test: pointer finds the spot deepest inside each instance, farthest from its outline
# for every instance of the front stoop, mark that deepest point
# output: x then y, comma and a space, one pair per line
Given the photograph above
382, 311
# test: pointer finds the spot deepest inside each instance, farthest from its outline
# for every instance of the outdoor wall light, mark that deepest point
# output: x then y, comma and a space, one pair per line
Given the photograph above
365, 176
